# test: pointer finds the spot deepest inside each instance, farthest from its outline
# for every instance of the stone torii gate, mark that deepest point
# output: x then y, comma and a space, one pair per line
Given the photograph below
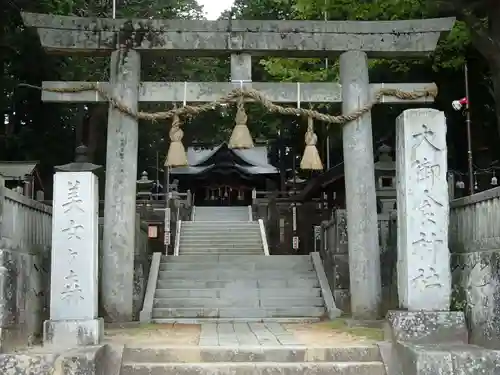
125, 40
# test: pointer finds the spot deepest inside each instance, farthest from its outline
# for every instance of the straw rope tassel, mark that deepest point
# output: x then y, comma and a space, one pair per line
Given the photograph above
310, 159
176, 156
241, 137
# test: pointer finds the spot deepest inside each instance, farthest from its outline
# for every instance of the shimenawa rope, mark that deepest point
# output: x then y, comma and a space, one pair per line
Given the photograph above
241, 137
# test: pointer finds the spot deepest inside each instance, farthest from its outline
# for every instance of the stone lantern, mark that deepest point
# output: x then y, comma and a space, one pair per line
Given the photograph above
385, 179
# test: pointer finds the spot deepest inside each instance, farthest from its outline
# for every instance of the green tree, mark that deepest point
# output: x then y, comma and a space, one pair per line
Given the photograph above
482, 18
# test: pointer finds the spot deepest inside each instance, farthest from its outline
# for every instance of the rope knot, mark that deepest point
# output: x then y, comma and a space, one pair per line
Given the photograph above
176, 156
176, 132
241, 115
310, 137
310, 159
241, 137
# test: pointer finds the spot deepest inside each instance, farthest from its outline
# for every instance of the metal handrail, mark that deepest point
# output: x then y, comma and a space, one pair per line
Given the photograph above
177, 237
250, 214
263, 237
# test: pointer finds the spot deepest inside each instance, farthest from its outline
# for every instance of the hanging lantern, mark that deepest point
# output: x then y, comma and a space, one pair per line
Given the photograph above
460, 184
494, 180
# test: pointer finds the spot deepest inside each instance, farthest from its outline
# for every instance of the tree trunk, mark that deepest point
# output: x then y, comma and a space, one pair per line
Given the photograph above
495, 79
97, 122
494, 56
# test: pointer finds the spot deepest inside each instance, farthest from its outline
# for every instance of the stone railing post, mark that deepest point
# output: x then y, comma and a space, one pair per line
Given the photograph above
2, 198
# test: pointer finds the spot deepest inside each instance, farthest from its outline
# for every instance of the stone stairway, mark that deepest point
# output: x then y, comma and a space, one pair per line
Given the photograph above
237, 287
224, 213
217, 237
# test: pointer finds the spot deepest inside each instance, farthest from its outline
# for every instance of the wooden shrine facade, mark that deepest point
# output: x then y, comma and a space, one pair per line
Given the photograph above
223, 176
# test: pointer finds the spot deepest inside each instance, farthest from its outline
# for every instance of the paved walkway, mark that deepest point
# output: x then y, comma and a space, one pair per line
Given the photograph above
208, 334
236, 334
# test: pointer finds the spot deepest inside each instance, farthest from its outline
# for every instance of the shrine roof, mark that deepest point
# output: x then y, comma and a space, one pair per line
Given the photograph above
254, 160
17, 170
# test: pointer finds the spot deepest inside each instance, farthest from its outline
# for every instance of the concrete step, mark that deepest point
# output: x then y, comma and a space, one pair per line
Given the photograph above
189, 354
246, 368
235, 284
295, 267
224, 244
234, 251
223, 293
227, 252
229, 247
222, 250
215, 240
236, 312
229, 230
239, 301
222, 217
228, 275
284, 320
221, 224
221, 233
255, 259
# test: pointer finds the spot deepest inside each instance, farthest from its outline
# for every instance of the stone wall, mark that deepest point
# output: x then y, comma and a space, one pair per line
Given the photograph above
142, 263
25, 244
474, 240
334, 253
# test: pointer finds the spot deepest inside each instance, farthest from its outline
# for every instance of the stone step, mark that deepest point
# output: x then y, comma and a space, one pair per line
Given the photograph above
227, 252
234, 284
234, 251
256, 259
223, 368
223, 243
242, 300
238, 225
222, 217
235, 312
221, 233
228, 228
228, 275
190, 354
228, 231
223, 293
221, 250
296, 267
283, 320
207, 240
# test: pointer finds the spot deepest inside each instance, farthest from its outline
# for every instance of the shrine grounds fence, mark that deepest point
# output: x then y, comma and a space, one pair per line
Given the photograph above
142, 263
334, 253
474, 240
25, 245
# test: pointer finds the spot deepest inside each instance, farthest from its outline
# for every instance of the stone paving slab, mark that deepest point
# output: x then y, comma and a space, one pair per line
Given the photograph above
245, 334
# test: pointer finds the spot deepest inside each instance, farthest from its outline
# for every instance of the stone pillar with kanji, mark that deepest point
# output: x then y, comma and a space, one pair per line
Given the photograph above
74, 273
424, 275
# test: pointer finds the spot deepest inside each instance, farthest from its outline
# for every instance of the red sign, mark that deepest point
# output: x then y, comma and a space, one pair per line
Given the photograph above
152, 231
